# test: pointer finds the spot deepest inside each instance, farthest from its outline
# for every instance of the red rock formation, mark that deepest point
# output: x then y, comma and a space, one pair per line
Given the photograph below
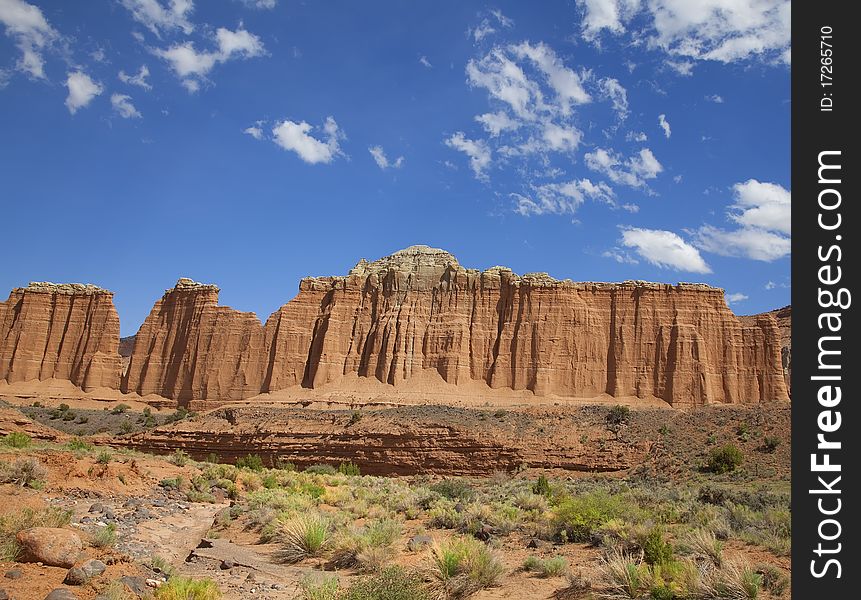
419, 310
68, 331
784, 326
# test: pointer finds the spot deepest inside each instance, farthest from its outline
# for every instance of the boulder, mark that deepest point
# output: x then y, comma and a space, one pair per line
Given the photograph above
50, 545
83, 573
61, 594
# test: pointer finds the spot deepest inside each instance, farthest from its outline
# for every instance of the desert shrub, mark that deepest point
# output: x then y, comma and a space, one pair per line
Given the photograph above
302, 536
774, 580
575, 518
173, 483
63, 407
120, 409
674, 580
284, 465
179, 458
104, 537
724, 459
13, 522
454, 489
656, 550
104, 456
161, 565
704, 543
126, 426
355, 417
348, 468
26, 472
317, 588
212, 458
252, 462
321, 469
770, 443
392, 583
530, 502
461, 566
115, 590
618, 414
79, 444
444, 516
178, 415
17, 439
186, 588
368, 547
734, 581
555, 566
500, 414
624, 576
542, 487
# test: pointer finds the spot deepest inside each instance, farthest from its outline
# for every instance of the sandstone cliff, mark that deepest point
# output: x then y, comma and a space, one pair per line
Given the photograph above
784, 326
68, 331
419, 310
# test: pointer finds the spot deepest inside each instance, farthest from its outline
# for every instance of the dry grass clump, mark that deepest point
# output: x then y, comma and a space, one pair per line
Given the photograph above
302, 536
26, 472
462, 566
369, 548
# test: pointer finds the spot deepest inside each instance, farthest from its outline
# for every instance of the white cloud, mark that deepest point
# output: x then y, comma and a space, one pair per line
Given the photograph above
715, 98
502, 19
192, 66
485, 28
611, 15
560, 138
763, 205
123, 106
749, 242
636, 136
161, 17
382, 160
677, 178
254, 131
425, 62
5, 76
477, 150
620, 256
770, 285
497, 122
685, 68
617, 94
138, 80
632, 172
719, 30
665, 125
505, 81
82, 90
563, 198
32, 33
565, 82
664, 249
296, 137
735, 297
261, 4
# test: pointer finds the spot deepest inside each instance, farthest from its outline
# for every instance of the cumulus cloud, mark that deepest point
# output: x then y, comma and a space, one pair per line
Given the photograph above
161, 17
633, 171
610, 15
296, 137
664, 249
123, 106
763, 205
764, 213
31, 32
139, 80
82, 90
747, 242
254, 131
665, 125
192, 66
497, 122
735, 297
617, 94
477, 150
562, 198
620, 256
719, 30
636, 136
382, 160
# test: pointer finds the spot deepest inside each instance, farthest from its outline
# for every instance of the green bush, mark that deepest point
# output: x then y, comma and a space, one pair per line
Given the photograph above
770, 443
63, 407
618, 414
463, 565
348, 468
179, 458
321, 469
104, 457
252, 462
26, 472
555, 566
126, 426
185, 588
355, 417
656, 550
542, 486
104, 537
303, 536
17, 439
724, 459
392, 583
577, 517
77, 443
316, 588
454, 489
120, 409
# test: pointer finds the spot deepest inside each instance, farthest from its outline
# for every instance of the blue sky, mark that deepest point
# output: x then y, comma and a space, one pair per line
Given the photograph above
250, 143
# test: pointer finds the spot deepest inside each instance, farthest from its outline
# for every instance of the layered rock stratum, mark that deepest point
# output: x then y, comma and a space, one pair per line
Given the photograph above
60, 331
420, 311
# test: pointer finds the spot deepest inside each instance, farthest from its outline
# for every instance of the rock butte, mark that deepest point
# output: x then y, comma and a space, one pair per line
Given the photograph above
419, 310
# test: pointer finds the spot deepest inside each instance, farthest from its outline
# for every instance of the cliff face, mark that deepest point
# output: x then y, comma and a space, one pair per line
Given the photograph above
784, 326
68, 331
420, 310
